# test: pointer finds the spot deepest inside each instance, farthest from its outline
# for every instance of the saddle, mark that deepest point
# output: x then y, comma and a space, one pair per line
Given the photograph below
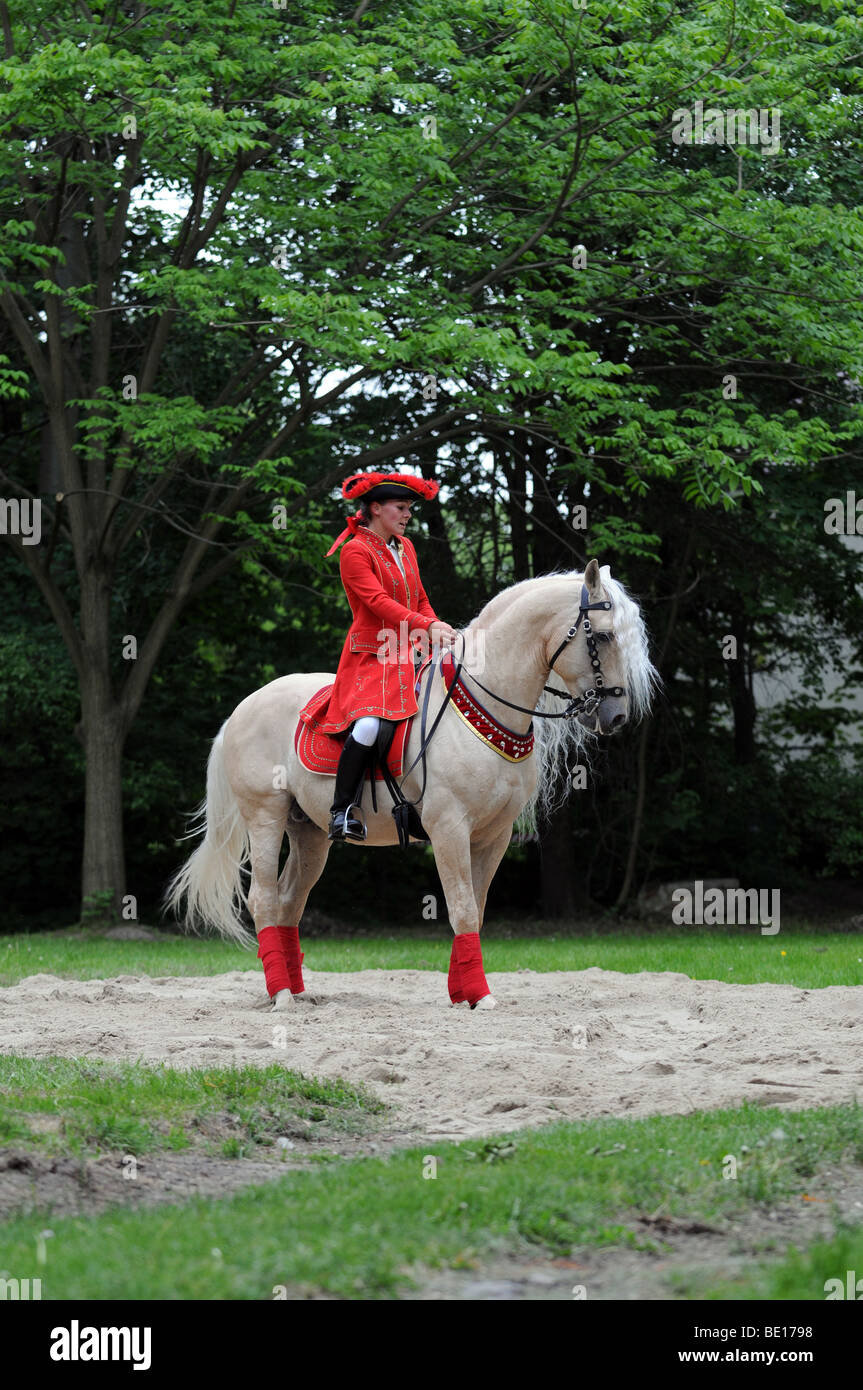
320, 752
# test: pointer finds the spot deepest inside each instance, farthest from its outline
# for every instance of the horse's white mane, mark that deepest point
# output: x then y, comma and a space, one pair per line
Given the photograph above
560, 743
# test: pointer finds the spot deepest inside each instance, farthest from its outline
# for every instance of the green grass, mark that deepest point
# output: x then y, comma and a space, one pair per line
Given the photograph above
807, 959
364, 1228
808, 1269
67, 1106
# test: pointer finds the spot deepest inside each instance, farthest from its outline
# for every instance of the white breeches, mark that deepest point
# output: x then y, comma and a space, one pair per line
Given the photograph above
365, 730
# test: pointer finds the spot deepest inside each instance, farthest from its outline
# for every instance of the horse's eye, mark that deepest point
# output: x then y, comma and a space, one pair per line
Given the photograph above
604, 636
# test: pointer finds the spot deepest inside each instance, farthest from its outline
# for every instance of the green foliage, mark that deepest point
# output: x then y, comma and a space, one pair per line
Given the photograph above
248, 250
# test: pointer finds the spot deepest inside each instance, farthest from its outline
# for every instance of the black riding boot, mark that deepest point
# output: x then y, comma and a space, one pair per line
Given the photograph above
350, 772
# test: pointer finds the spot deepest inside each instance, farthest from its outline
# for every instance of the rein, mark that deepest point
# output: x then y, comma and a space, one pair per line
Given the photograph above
581, 704
404, 811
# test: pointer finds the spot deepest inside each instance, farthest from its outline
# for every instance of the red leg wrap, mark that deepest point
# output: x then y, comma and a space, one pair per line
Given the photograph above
279, 949
272, 954
456, 993
290, 939
468, 956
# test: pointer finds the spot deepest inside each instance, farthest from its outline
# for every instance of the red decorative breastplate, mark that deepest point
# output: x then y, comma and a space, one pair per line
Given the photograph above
513, 747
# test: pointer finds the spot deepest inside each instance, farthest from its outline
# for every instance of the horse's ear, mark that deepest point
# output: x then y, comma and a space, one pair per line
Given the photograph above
591, 578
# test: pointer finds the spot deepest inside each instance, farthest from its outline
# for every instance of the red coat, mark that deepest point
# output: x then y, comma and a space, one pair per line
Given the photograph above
387, 610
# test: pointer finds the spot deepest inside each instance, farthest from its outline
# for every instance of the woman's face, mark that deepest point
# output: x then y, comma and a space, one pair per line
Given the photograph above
393, 516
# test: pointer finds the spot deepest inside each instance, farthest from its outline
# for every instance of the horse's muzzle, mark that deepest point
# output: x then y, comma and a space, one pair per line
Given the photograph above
609, 718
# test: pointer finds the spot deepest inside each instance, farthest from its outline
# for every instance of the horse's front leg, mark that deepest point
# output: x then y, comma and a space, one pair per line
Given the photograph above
485, 862
467, 982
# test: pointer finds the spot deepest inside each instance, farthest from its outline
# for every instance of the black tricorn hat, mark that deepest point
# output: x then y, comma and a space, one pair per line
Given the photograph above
381, 487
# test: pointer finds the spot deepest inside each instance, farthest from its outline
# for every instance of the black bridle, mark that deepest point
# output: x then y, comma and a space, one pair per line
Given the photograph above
579, 704
404, 810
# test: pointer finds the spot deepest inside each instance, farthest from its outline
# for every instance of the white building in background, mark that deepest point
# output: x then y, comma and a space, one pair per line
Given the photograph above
840, 686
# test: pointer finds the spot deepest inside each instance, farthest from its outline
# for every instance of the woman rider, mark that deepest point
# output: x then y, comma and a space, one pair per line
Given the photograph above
375, 676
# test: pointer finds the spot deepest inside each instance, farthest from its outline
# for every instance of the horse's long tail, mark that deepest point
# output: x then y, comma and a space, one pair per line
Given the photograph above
210, 881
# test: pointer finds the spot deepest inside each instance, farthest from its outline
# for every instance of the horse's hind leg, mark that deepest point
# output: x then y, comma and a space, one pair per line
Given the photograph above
266, 831
303, 867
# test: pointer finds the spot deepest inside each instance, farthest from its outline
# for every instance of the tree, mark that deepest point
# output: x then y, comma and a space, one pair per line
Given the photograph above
360, 219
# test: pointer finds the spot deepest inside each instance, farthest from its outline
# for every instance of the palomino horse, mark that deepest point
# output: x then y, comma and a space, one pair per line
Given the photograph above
257, 789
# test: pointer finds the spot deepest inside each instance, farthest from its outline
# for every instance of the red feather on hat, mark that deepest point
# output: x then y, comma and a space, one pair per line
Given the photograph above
360, 483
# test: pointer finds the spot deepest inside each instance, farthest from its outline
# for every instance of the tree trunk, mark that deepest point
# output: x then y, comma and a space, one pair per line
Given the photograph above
514, 472
102, 733
644, 733
742, 697
550, 539
562, 896
103, 871
432, 514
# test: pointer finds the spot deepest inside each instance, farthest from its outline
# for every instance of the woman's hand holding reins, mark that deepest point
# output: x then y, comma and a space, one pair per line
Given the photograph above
441, 632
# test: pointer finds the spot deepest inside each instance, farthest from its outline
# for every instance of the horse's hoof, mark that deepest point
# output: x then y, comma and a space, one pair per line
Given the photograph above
488, 1001
283, 999
459, 1004
305, 997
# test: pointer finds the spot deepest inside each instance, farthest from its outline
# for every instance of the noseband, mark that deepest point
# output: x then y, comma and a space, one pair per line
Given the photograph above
581, 704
